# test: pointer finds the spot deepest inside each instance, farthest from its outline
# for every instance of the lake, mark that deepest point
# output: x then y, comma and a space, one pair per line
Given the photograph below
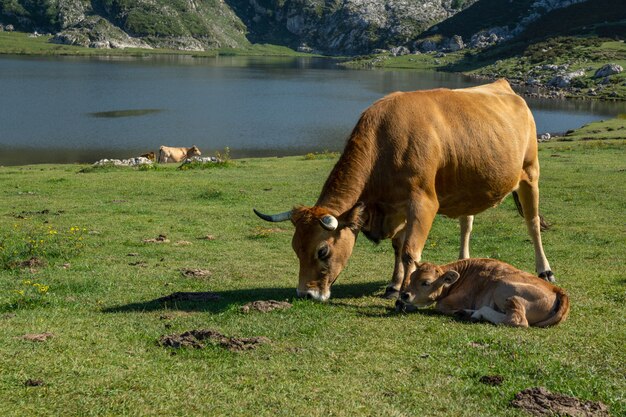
68, 109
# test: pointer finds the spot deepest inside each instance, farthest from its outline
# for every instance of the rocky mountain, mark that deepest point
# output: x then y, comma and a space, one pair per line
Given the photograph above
346, 27
176, 24
342, 26
328, 26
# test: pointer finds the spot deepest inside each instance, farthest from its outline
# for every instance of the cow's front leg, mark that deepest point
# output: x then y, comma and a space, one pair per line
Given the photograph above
466, 223
422, 211
528, 192
393, 289
488, 314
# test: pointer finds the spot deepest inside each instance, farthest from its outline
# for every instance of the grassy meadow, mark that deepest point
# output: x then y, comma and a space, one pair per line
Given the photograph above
73, 263
19, 43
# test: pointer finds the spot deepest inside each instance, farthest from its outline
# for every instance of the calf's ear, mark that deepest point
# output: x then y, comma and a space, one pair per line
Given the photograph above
450, 277
353, 218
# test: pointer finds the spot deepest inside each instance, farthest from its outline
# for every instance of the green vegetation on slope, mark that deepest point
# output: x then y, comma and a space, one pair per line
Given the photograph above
351, 356
17, 43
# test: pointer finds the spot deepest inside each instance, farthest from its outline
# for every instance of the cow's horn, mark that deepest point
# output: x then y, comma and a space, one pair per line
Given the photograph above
280, 217
329, 222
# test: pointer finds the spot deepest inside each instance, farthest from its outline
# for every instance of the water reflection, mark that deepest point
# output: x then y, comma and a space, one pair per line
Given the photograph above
67, 109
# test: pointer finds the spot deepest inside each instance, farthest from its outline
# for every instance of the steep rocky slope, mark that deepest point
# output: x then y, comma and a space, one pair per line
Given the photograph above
329, 26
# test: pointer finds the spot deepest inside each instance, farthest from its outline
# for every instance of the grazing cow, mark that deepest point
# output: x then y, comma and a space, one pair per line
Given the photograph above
410, 156
169, 154
150, 155
486, 289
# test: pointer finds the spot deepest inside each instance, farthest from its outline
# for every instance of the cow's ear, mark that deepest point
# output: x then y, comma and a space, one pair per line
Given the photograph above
450, 277
353, 218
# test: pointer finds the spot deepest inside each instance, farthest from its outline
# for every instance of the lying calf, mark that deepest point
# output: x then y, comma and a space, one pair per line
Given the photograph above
486, 289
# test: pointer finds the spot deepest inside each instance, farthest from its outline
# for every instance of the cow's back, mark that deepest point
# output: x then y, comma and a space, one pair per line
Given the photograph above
468, 145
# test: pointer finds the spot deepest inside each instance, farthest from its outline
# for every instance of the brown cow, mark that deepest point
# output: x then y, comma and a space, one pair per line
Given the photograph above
169, 154
410, 156
486, 289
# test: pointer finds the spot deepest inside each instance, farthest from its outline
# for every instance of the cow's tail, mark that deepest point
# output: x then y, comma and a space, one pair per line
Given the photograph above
562, 310
543, 223
160, 154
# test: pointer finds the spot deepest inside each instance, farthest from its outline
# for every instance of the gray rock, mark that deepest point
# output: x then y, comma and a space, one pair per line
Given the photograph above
455, 43
399, 51
608, 70
427, 46
560, 81
305, 48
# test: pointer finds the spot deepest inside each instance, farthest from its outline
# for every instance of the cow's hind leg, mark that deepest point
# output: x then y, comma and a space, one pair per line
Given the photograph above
528, 192
393, 289
515, 312
466, 223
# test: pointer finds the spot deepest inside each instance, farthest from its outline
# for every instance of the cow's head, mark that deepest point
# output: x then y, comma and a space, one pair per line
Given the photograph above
193, 151
323, 244
427, 284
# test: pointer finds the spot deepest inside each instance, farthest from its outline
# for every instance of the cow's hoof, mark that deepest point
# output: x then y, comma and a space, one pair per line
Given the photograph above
548, 276
391, 294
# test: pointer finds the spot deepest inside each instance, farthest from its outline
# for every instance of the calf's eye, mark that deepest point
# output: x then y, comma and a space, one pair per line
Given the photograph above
323, 253
425, 284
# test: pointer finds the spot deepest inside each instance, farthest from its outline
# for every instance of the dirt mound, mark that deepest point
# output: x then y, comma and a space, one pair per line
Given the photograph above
190, 296
493, 380
33, 383
195, 273
541, 402
37, 337
265, 306
207, 237
198, 338
33, 262
158, 239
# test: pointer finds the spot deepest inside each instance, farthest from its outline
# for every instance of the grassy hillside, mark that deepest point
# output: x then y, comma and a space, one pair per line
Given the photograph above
90, 280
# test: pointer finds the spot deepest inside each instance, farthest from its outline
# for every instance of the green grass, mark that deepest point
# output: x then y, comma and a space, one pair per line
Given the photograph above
18, 43
603, 129
350, 356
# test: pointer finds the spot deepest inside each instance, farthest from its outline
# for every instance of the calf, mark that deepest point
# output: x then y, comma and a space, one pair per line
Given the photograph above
150, 155
486, 289
169, 154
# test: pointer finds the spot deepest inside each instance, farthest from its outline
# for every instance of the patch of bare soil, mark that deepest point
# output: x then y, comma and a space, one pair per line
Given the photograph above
183, 243
265, 306
7, 316
207, 237
199, 338
138, 263
33, 383
493, 380
190, 296
195, 273
158, 239
37, 337
33, 262
541, 402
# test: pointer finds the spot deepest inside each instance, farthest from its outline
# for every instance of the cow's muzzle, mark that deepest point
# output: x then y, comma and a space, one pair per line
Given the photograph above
313, 294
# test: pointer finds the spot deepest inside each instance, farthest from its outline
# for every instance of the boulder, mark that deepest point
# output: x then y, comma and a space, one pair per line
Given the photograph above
399, 51
607, 70
455, 43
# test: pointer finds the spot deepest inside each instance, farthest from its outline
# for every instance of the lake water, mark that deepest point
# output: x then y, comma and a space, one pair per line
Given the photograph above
66, 109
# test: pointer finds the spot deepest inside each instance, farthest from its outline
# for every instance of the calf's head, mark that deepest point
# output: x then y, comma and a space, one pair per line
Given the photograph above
427, 284
193, 151
323, 244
